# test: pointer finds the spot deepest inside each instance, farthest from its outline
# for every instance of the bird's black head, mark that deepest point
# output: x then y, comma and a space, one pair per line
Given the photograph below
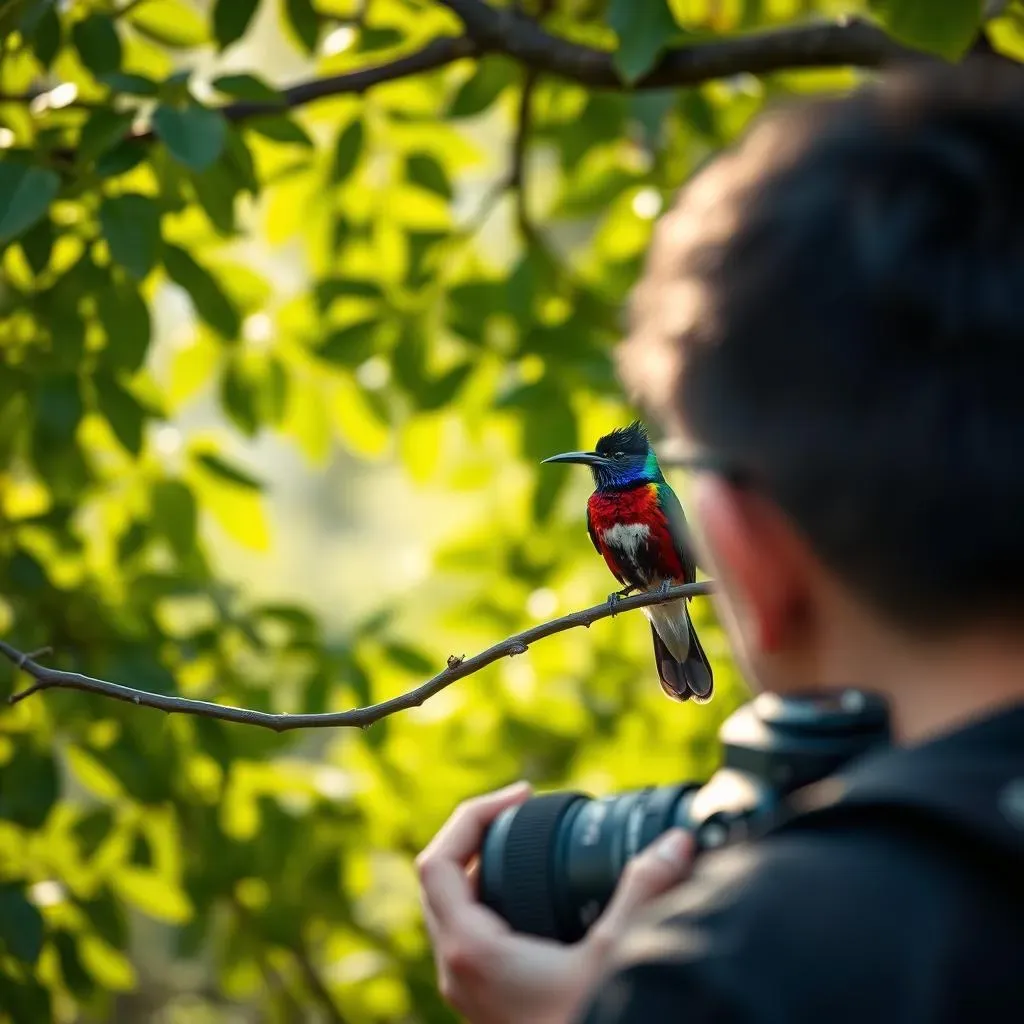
622, 458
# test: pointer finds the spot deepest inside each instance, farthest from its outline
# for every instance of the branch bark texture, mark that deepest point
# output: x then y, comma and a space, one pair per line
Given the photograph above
825, 44
456, 669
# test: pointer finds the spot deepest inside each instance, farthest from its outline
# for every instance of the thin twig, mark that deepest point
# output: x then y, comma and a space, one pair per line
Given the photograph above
436, 54
456, 669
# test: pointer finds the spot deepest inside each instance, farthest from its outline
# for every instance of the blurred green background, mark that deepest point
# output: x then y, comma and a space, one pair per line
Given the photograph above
273, 395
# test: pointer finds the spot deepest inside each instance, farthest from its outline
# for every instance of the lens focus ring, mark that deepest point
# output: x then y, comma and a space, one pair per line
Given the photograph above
529, 896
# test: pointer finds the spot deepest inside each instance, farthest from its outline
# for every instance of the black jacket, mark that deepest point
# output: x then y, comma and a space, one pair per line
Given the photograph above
899, 896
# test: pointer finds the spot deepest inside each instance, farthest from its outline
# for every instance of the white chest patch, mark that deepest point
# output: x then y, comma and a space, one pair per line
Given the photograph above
627, 538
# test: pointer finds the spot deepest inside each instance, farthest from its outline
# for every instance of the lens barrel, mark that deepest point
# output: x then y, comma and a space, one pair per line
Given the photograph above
550, 865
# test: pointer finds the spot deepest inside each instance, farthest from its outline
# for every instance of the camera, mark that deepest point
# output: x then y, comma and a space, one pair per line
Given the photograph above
550, 865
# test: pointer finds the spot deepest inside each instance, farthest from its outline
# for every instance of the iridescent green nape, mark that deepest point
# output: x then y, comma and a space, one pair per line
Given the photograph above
651, 468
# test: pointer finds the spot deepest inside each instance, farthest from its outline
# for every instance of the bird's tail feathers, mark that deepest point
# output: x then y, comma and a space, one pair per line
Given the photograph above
688, 679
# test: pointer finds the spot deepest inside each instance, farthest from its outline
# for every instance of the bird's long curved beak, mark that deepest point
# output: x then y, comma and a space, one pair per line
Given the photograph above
584, 458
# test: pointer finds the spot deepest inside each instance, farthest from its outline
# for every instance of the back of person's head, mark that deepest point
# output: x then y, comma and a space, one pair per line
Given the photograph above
836, 307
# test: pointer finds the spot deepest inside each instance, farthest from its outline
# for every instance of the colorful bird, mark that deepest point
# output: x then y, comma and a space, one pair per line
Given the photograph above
636, 522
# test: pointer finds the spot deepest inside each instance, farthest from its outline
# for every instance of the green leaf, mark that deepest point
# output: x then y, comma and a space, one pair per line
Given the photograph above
240, 399
347, 151
273, 393
216, 189
58, 409
37, 244
29, 785
132, 84
32, 16
194, 135
66, 323
231, 19
698, 113
175, 515
425, 170
442, 391
408, 360
305, 22
644, 30
945, 27
239, 159
350, 346
247, 87
383, 38
330, 288
76, 977
104, 129
121, 159
156, 897
280, 128
21, 925
107, 917
131, 226
490, 79
142, 851
232, 474
125, 318
122, 410
98, 43
549, 421
92, 828
25, 195
49, 37
651, 109
209, 299
171, 23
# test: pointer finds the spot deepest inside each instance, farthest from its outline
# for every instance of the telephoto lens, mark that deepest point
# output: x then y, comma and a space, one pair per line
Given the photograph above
550, 865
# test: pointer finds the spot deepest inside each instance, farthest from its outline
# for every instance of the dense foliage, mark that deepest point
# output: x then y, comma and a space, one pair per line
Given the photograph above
273, 391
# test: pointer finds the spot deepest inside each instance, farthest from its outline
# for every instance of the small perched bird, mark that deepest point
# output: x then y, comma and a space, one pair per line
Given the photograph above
636, 522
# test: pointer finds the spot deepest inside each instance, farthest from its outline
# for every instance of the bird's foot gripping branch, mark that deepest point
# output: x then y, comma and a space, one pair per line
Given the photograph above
457, 668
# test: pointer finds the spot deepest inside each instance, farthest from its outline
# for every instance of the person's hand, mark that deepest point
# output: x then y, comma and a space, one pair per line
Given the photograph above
489, 973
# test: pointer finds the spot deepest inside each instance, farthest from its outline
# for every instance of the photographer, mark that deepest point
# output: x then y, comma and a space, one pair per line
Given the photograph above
833, 317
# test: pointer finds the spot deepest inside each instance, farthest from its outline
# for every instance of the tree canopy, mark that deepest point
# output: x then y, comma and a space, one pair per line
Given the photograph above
295, 296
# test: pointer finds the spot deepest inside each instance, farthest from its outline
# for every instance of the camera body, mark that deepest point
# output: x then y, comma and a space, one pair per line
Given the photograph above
550, 865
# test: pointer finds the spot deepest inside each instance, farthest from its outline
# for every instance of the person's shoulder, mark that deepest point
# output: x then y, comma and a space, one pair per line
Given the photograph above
832, 884
777, 930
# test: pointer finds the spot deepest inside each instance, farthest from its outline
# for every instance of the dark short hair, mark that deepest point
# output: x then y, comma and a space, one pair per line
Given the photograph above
837, 306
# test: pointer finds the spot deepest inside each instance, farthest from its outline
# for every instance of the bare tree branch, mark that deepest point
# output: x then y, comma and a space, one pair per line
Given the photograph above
457, 668
825, 44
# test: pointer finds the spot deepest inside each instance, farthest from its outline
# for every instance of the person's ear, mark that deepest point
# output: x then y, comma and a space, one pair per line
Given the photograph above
758, 561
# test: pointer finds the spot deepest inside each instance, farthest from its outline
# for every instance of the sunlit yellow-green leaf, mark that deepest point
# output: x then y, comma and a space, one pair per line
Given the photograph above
193, 360
154, 895
175, 23
356, 422
108, 966
422, 446
237, 511
90, 772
